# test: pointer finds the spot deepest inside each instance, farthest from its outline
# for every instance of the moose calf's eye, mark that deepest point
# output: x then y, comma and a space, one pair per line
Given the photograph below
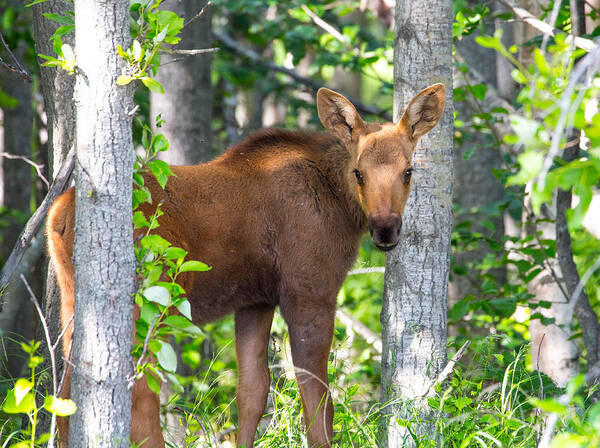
359, 177
407, 175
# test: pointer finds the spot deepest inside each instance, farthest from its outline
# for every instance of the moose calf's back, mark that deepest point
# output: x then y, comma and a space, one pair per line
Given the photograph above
267, 216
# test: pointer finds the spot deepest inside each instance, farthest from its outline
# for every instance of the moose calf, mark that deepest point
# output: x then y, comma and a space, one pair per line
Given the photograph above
279, 217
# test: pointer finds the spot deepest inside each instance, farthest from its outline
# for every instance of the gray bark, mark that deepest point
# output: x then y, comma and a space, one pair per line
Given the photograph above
57, 90
186, 104
416, 281
103, 250
57, 85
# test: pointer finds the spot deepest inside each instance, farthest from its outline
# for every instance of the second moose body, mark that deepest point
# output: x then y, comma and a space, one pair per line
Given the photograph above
279, 218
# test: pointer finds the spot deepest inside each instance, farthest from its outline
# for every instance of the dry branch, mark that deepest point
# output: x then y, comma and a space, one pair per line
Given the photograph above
361, 329
59, 185
17, 68
234, 46
545, 28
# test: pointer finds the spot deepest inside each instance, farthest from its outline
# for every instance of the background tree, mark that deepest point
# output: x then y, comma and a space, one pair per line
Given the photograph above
103, 251
414, 310
15, 179
186, 105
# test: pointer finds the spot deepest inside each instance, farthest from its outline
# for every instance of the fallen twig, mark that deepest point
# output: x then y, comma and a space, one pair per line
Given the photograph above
230, 43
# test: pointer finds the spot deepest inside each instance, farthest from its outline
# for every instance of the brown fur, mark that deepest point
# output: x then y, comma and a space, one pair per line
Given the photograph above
278, 217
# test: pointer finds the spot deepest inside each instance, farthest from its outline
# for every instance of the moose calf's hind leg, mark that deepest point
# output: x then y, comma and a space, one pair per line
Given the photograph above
252, 332
310, 340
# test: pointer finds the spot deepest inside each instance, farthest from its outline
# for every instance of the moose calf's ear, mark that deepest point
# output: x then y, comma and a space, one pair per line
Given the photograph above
338, 115
424, 111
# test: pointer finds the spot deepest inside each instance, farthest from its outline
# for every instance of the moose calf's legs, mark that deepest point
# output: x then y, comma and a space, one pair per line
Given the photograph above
252, 332
310, 340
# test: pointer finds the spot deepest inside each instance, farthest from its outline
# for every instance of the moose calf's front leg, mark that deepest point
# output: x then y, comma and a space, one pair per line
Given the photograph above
310, 340
252, 331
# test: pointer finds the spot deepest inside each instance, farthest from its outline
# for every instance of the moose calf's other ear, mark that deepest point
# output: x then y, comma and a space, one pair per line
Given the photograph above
424, 111
338, 115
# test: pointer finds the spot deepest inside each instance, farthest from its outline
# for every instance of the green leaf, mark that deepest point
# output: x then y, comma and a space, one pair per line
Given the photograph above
488, 42
152, 84
549, 405
462, 402
35, 2
166, 357
157, 294
153, 383
161, 171
137, 50
59, 406
156, 243
173, 253
479, 91
161, 36
139, 220
182, 324
25, 405
123, 80
22, 387
531, 163
160, 143
193, 265
185, 309
63, 20
458, 310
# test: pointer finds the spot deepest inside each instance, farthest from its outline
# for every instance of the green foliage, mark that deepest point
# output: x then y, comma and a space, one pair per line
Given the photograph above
21, 400
159, 266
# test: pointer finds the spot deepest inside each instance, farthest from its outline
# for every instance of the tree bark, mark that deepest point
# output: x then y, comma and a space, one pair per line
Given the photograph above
57, 90
103, 249
414, 310
186, 104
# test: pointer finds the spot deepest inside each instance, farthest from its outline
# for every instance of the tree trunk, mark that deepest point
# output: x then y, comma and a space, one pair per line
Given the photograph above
416, 282
57, 90
186, 104
103, 250
474, 183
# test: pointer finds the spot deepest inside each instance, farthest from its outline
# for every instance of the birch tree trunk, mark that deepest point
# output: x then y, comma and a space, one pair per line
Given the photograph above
186, 104
416, 281
103, 251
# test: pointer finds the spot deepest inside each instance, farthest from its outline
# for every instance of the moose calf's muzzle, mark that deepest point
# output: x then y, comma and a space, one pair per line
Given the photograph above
385, 229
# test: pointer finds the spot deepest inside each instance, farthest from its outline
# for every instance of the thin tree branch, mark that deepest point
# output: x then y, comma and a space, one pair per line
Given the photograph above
545, 28
59, 185
232, 45
450, 366
38, 166
361, 329
329, 29
50, 350
195, 52
197, 16
17, 68
377, 269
